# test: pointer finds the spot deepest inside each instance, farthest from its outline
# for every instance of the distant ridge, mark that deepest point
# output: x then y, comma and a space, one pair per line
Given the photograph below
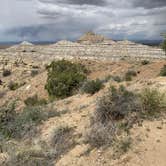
24, 46
26, 43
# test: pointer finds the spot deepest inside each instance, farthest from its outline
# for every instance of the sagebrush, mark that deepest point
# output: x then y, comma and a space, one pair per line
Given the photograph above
92, 86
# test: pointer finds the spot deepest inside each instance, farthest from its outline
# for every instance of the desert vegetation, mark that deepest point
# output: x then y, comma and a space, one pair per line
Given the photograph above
34, 72
129, 75
35, 101
145, 62
17, 125
77, 109
64, 78
118, 110
163, 45
163, 71
6, 72
92, 86
14, 85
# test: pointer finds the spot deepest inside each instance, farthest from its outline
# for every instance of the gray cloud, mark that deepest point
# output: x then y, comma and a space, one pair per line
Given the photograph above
69, 29
149, 3
77, 2
68, 19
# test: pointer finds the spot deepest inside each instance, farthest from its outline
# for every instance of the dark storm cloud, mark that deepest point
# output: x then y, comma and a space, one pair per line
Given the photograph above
149, 3
52, 31
30, 31
77, 2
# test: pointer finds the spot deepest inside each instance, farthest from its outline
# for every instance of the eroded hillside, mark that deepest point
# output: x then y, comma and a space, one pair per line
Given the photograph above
58, 136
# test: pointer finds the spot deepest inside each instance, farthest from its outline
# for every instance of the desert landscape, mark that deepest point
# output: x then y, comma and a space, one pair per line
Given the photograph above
92, 102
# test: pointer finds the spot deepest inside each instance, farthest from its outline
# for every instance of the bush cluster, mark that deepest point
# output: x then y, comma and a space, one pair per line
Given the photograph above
17, 125
116, 105
35, 101
163, 71
6, 73
118, 110
117, 78
152, 102
130, 74
39, 153
92, 86
62, 139
64, 78
28, 154
7, 118
145, 62
14, 85
163, 45
34, 72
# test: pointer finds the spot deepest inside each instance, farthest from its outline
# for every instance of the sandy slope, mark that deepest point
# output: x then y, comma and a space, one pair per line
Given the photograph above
149, 140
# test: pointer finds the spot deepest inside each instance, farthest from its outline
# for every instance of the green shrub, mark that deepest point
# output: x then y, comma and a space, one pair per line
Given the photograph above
107, 78
61, 134
92, 86
28, 154
163, 71
98, 134
18, 125
26, 121
128, 78
64, 78
110, 77
122, 146
35, 101
116, 105
6, 73
35, 67
116, 113
32, 114
145, 62
39, 153
163, 45
130, 74
34, 73
117, 78
14, 85
7, 118
152, 101
31, 157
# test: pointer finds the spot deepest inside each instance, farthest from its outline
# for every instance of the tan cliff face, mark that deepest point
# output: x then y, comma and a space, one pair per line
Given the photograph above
91, 38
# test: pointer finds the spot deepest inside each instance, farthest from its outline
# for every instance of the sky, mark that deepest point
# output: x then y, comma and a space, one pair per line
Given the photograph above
52, 20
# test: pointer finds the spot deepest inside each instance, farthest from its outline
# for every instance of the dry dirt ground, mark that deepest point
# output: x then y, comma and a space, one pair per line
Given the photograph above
148, 140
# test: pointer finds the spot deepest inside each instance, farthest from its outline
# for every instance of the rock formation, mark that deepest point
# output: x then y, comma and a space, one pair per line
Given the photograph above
91, 38
22, 47
89, 46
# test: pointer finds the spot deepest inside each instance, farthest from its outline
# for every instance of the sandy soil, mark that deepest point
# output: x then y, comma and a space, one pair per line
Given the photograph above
149, 140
